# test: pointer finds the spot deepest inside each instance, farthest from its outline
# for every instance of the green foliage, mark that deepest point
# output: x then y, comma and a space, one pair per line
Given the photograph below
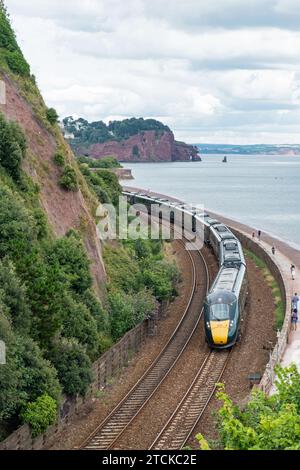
86, 133
123, 271
17, 226
26, 374
52, 116
79, 324
17, 64
273, 284
13, 295
161, 277
59, 159
265, 423
69, 253
73, 366
9, 49
12, 147
128, 310
40, 414
68, 179
104, 183
106, 162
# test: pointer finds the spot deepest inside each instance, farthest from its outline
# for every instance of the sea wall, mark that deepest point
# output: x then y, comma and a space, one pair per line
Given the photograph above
268, 377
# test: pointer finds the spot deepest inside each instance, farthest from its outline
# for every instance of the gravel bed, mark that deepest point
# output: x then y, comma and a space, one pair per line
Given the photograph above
250, 355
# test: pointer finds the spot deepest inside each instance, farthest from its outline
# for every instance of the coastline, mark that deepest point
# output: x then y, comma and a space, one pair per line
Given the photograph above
288, 248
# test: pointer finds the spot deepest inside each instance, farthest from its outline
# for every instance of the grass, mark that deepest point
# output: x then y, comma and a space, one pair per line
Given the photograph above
272, 283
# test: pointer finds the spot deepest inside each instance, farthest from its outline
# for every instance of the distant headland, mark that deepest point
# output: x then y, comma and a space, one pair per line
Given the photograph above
258, 149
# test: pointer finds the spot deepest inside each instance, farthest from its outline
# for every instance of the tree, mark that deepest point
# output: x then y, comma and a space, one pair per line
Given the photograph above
12, 147
17, 226
73, 366
68, 179
14, 296
266, 422
80, 324
52, 116
69, 253
40, 414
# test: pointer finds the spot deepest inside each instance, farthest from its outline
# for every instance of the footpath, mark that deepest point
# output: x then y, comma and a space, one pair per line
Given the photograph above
285, 255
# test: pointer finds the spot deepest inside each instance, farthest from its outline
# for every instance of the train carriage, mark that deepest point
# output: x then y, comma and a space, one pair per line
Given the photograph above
226, 299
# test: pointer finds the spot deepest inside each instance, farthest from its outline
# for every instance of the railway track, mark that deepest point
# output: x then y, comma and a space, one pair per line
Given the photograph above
180, 426
111, 429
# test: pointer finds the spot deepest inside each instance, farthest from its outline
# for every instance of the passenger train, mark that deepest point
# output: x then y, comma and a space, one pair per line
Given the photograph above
226, 299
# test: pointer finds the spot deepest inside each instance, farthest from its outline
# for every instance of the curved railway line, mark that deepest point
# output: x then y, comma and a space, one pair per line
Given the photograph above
111, 429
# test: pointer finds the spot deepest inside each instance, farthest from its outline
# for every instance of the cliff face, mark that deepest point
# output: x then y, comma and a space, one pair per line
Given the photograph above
147, 146
65, 210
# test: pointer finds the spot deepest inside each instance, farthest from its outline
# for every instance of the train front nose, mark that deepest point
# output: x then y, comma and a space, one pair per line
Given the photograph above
219, 332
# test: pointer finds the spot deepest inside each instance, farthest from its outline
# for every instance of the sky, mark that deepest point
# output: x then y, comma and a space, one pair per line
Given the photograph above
215, 71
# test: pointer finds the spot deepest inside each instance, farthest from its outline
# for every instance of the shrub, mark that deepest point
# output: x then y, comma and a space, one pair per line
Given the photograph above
12, 147
14, 296
40, 414
123, 271
160, 277
17, 226
80, 324
128, 310
52, 116
59, 159
73, 366
13, 55
68, 179
69, 253
17, 63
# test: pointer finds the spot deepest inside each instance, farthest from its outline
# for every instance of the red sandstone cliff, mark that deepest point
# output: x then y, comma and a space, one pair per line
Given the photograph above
147, 146
65, 210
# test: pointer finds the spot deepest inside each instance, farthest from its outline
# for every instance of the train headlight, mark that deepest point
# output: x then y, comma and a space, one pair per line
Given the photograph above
208, 325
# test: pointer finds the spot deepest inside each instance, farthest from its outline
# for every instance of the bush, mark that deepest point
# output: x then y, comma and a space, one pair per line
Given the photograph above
123, 271
12, 53
14, 296
69, 253
161, 277
12, 147
59, 159
17, 226
52, 116
128, 310
73, 366
80, 324
40, 414
17, 64
68, 179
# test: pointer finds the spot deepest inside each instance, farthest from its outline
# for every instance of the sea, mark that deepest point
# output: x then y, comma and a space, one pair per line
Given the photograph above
260, 191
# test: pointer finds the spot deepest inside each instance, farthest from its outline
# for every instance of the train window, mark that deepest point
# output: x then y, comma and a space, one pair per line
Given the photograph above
219, 312
231, 246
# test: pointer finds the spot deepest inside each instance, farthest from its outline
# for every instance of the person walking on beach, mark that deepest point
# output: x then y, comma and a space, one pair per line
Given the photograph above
273, 250
293, 271
253, 235
294, 320
259, 235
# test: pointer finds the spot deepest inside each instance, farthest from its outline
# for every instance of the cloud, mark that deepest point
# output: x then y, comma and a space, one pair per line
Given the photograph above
204, 68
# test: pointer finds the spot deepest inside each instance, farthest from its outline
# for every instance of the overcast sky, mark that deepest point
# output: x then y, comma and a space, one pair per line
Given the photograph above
220, 71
